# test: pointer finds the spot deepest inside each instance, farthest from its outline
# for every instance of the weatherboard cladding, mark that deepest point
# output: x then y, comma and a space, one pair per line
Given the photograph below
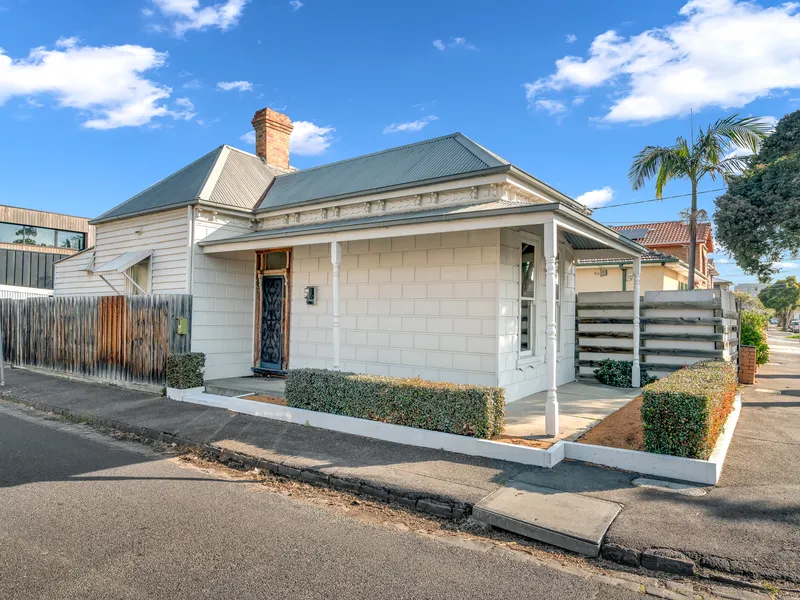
429, 160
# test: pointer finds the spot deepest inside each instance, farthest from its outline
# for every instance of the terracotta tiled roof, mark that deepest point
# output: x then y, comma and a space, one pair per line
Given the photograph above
652, 256
670, 233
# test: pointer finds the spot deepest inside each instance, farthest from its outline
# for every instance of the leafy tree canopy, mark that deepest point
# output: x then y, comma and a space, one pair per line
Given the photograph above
749, 302
758, 218
783, 296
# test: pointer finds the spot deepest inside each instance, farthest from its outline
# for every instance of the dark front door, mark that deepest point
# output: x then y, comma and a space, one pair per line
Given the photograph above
272, 288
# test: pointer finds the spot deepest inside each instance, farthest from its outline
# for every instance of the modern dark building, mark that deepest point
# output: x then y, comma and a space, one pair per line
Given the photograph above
31, 241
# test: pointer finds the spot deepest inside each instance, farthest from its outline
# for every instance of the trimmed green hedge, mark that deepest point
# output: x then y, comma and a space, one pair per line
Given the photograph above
185, 371
753, 332
472, 410
684, 413
618, 373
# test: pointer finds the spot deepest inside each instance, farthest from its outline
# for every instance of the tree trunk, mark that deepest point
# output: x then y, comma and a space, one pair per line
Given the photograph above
693, 236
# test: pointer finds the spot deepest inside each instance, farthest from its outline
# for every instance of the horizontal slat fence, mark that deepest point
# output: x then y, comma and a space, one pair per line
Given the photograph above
676, 328
118, 338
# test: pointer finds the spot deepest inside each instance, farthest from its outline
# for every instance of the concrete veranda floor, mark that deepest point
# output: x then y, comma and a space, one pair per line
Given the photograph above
580, 406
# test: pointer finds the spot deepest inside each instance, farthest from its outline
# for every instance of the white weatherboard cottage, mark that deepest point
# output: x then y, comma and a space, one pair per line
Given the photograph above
437, 260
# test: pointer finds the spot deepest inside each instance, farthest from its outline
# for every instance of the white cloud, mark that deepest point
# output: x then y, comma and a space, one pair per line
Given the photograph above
454, 44
296, 4
553, 107
720, 53
185, 109
188, 15
242, 86
307, 139
106, 83
193, 84
570, 38
578, 100
785, 265
410, 125
596, 198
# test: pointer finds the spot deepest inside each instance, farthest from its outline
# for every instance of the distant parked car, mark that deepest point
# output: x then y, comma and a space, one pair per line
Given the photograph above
773, 321
794, 326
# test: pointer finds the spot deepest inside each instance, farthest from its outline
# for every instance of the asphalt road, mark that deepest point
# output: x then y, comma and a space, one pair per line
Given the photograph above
83, 516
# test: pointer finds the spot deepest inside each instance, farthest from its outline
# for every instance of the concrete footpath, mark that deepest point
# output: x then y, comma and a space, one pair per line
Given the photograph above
748, 525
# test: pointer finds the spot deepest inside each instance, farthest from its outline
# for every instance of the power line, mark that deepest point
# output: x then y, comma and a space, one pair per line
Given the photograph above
658, 199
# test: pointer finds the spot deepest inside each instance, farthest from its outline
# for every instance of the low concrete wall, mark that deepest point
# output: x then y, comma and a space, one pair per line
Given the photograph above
687, 469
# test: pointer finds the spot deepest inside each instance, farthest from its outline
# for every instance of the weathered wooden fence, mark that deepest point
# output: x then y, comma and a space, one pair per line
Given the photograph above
676, 328
119, 338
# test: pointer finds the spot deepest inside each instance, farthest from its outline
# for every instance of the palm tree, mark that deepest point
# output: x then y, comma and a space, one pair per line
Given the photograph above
710, 154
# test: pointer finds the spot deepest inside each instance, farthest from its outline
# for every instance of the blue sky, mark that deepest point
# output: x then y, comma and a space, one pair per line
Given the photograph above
100, 99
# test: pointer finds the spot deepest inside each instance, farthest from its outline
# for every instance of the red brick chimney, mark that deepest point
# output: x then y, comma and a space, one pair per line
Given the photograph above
272, 137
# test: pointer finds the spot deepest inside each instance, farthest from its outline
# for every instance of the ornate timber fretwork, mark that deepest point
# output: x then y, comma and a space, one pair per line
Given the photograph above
209, 215
492, 192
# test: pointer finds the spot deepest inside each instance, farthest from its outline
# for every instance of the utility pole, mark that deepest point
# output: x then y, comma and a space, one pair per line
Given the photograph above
692, 214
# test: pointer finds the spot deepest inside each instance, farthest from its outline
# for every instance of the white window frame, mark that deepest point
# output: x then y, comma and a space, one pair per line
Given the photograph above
533, 321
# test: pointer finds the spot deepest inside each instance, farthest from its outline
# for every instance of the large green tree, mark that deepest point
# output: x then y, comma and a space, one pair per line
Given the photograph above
758, 218
710, 153
783, 297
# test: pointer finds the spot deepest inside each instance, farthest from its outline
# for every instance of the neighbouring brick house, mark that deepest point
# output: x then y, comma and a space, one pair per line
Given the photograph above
664, 267
437, 260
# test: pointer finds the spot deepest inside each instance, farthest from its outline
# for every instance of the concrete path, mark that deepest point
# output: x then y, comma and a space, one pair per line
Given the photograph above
239, 386
750, 522
571, 521
580, 406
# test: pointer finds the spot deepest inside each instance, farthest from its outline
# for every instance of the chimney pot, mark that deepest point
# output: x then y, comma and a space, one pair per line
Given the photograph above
273, 130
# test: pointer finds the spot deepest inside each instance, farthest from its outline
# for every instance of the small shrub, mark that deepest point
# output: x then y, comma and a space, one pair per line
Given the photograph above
753, 332
471, 410
185, 371
618, 373
683, 414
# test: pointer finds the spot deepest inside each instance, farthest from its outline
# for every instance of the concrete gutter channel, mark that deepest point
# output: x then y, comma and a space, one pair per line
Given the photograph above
497, 509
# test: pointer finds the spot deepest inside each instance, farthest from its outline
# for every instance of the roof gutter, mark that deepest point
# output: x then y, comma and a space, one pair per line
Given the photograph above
173, 206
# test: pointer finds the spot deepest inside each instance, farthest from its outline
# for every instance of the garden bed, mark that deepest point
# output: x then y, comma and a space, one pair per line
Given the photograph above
620, 429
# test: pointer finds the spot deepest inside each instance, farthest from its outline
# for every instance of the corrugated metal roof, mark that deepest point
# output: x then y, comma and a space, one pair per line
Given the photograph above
242, 180
179, 188
442, 157
235, 178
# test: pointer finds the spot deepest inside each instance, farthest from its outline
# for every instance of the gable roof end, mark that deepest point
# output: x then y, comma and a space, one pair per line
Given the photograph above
225, 176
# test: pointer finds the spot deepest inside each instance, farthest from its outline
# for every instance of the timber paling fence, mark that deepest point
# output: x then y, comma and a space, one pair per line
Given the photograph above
114, 338
677, 328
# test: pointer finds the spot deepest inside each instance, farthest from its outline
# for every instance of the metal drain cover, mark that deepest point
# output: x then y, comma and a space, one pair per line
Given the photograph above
683, 489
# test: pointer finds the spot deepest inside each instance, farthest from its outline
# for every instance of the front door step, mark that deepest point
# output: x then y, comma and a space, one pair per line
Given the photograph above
570, 521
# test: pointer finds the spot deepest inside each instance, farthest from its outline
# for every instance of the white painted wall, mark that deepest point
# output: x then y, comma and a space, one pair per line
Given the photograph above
411, 306
224, 299
522, 376
165, 233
